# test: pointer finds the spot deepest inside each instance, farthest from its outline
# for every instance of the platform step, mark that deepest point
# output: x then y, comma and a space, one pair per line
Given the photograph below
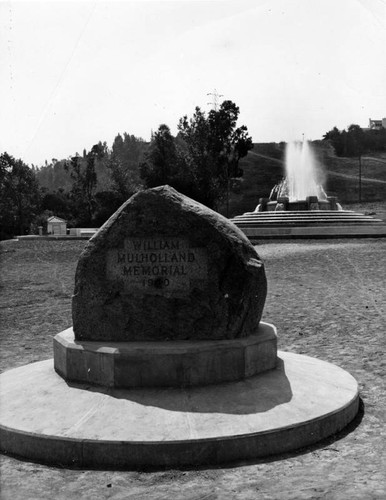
313, 224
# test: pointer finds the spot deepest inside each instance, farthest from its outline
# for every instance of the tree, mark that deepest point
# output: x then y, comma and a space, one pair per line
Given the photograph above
160, 163
335, 137
353, 142
214, 149
201, 161
83, 173
57, 202
19, 196
123, 182
123, 165
107, 202
356, 147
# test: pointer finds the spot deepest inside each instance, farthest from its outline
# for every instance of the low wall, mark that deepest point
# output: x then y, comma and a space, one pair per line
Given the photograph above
83, 231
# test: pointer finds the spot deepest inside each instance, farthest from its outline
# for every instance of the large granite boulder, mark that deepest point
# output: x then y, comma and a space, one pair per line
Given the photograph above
165, 267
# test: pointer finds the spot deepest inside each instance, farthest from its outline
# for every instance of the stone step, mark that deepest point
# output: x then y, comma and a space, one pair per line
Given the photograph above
246, 226
300, 216
307, 232
313, 224
295, 212
278, 215
259, 222
306, 219
341, 215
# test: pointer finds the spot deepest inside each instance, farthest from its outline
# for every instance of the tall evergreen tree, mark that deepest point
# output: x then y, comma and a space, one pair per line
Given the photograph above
160, 163
83, 173
214, 149
123, 164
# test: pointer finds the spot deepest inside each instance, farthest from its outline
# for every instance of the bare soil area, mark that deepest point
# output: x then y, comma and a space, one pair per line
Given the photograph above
328, 300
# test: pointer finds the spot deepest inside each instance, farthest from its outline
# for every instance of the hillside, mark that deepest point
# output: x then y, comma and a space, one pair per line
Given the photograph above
264, 167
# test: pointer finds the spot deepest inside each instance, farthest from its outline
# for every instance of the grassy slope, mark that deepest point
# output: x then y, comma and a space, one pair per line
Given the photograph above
261, 173
263, 168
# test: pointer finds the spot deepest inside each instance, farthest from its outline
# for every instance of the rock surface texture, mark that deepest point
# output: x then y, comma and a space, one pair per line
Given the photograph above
165, 267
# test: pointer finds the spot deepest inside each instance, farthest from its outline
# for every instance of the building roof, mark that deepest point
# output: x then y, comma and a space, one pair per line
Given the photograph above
53, 218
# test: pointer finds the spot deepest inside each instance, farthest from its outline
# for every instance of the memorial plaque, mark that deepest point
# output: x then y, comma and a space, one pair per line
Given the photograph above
159, 265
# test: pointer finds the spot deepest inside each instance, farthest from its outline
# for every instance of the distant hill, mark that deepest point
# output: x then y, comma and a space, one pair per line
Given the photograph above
54, 177
264, 167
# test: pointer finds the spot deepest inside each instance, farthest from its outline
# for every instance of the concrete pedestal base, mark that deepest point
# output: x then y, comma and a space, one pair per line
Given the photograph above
165, 364
45, 418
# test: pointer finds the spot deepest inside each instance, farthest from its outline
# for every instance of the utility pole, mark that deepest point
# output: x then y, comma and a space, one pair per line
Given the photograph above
228, 190
216, 96
360, 178
215, 103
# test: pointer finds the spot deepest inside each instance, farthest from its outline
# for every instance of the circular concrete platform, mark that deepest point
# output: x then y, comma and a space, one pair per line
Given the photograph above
45, 418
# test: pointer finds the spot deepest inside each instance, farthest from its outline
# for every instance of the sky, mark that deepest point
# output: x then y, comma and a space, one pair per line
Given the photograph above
74, 73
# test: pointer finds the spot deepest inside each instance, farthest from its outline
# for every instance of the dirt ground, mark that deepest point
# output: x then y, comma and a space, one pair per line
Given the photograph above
327, 299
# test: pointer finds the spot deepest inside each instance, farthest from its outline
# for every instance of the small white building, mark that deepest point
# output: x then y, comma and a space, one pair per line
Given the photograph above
56, 226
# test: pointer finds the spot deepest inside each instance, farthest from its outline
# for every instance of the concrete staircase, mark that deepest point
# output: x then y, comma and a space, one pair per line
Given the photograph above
309, 224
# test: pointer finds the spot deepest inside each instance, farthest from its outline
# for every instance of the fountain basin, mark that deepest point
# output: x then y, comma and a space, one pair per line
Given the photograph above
284, 204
